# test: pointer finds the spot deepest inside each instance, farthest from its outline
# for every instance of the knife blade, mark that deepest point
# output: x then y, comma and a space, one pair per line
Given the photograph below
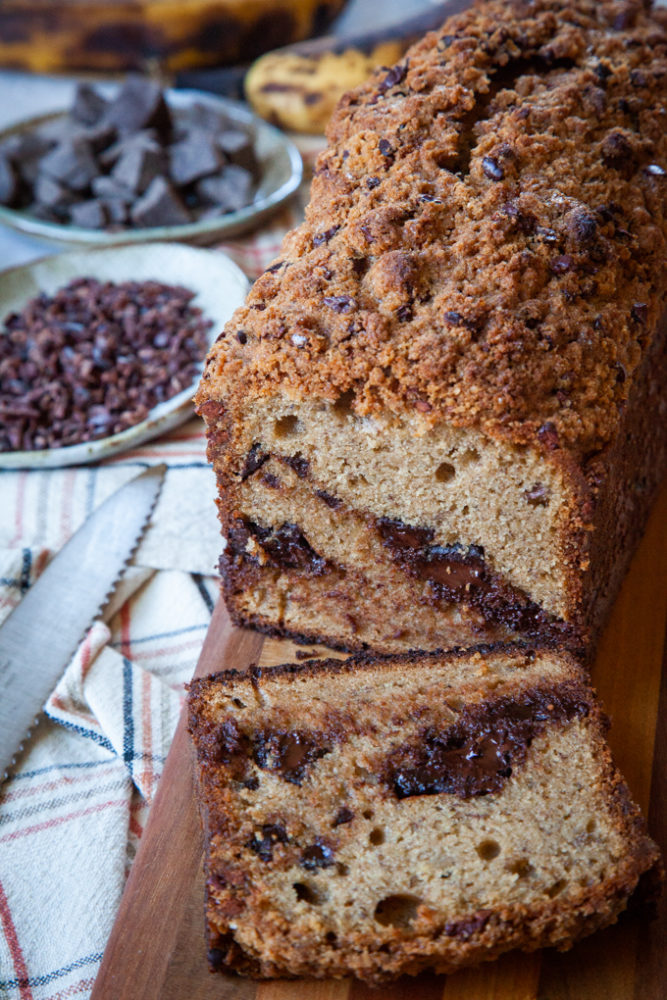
40, 636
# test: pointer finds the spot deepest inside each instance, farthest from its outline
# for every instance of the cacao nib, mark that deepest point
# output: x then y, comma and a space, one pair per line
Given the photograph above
290, 753
318, 855
271, 481
386, 147
481, 750
404, 313
372, 182
493, 170
395, 75
255, 459
639, 312
93, 359
272, 834
324, 237
548, 435
340, 303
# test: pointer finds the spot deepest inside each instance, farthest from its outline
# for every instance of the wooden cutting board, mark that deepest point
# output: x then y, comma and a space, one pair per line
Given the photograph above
156, 950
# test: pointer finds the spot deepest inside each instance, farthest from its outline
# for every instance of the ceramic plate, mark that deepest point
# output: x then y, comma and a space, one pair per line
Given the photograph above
281, 171
220, 287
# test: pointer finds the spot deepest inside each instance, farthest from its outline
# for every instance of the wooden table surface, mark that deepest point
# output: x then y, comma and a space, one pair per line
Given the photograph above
157, 952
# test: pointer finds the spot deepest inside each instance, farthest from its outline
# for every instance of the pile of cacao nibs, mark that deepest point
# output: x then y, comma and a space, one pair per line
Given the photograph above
129, 162
93, 359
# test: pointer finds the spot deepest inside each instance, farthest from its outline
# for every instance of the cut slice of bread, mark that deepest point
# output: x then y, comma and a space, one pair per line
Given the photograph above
376, 818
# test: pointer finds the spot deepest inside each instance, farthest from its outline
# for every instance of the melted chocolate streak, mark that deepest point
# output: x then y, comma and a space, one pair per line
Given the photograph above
478, 754
456, 574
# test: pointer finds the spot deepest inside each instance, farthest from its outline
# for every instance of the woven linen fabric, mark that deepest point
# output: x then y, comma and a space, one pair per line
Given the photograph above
73, 809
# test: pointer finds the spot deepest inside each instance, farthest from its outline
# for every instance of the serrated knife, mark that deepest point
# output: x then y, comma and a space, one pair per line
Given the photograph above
40, 636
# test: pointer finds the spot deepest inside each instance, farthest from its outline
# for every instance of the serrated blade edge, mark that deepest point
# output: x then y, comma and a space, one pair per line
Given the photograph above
41, 634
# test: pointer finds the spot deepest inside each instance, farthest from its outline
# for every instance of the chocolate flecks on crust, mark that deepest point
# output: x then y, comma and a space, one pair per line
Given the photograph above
483, 748
290, 753
519, 87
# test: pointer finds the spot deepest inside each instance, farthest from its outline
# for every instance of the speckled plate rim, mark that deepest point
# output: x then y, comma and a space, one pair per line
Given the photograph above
204, 230
201, 264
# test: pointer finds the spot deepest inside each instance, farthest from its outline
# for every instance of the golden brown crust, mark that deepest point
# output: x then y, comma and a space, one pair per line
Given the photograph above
486, 235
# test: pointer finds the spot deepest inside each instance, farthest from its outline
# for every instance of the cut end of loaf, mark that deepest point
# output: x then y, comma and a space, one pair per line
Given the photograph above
379, 818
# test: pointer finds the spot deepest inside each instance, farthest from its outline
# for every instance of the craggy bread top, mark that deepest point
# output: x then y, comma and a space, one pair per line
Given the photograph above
486, 237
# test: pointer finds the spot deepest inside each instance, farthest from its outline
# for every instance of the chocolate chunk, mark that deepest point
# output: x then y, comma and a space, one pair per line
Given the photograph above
272, 834
137, 167
230, 190
561, 265
317, 855
464, 929
492, 169
195, 156
89, 106
481, 750
290, 753
9, 182
397, 535
255, 459
238, 148
329, 499
160, 205
72, 163
582, 226
344, 815
89, 214
300, 464
372, 182
340, 303
386, 147
146, 139
140, 104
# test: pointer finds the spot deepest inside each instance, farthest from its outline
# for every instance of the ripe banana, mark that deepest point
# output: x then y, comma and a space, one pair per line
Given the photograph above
164, 35
298, 87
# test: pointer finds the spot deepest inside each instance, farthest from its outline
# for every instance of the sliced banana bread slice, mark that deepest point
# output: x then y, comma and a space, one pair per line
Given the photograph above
368, 818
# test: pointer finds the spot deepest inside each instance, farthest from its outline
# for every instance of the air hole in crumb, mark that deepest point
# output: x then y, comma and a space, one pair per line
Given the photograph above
343, 405
469, 456
342, 869
488, 850
367, 814
349, 902
445, 472
397, 911
376, 836
306, 893
330, 937
556, 888
521, 867
286, 426
465, 510
590, 826
238, 703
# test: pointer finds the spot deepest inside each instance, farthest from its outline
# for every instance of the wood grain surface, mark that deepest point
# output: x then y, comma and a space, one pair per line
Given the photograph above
157, 952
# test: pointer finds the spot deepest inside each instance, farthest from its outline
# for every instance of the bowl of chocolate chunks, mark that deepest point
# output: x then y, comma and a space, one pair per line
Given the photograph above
140, 164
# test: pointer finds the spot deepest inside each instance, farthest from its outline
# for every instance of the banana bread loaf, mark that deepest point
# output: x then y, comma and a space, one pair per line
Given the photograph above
439, 418
381, 817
